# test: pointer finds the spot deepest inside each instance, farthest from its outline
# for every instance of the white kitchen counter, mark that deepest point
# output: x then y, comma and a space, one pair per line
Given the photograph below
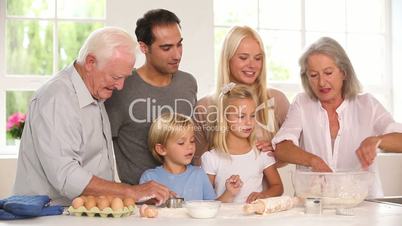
367, 214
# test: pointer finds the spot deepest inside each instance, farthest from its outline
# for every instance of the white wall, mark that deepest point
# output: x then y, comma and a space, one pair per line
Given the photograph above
8, 168
197, 28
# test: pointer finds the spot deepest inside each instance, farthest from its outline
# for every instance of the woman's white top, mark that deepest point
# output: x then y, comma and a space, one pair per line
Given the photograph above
307, 126
249, 166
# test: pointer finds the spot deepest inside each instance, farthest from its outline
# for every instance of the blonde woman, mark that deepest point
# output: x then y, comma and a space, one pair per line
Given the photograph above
235, 166
242, 61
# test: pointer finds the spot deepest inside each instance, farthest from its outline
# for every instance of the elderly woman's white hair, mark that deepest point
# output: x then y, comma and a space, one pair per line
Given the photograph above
331, 48
103, 42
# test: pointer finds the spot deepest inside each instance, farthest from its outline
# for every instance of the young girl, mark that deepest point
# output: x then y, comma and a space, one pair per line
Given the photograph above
235, 160
171, 141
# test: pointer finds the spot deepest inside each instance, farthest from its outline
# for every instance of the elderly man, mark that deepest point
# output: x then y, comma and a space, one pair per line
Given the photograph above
66, 147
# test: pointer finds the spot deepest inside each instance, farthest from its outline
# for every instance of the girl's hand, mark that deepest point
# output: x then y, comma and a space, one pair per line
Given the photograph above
367, 151
254, 196
233, 184
265, 146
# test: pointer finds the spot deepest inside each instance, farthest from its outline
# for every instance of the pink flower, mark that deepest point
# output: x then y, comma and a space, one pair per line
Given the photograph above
15, 120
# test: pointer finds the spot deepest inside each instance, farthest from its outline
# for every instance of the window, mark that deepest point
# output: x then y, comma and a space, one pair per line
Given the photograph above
40, 38
288, 26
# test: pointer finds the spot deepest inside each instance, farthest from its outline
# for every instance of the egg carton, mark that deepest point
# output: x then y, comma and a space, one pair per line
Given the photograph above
95, 211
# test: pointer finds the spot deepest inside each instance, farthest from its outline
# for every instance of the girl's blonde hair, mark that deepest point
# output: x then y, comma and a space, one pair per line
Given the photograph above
222, 128
230, 45
168, 125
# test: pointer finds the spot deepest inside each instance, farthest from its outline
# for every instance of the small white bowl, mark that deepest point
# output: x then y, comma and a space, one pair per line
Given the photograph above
202, 208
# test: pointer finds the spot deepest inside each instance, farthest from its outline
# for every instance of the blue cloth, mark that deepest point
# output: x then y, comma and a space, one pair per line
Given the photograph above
192, 184
4, 215
26, 206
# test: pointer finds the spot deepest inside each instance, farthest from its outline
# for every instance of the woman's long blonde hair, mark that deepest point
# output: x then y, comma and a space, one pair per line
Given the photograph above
230, 45
222, 128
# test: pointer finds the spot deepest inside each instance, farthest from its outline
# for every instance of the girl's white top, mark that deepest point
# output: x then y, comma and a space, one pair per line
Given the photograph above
249, 167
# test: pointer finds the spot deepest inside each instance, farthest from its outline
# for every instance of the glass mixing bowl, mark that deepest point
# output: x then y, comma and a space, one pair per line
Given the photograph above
336, 190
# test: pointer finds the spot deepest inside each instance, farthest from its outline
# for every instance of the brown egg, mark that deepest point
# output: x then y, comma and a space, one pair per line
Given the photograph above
102, 203
148, 211
110, 198
151, 212
77, 202
90, 203
128, 202
117, 204
91, 197
83, 197
142, 210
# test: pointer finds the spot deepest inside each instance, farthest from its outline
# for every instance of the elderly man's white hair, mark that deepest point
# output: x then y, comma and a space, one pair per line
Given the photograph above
102, 43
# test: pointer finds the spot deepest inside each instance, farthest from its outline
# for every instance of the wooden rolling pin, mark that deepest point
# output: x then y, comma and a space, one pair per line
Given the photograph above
271, 205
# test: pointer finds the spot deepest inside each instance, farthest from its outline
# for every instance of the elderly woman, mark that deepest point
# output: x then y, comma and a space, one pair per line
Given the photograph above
332, 127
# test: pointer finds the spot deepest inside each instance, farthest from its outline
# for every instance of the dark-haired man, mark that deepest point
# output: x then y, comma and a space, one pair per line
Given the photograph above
157, 86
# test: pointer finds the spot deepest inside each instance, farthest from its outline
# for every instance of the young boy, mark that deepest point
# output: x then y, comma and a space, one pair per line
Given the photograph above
171, 141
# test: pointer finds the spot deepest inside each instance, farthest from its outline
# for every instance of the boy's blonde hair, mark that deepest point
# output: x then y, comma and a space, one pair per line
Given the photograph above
222, 129
164, 127
230, 45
